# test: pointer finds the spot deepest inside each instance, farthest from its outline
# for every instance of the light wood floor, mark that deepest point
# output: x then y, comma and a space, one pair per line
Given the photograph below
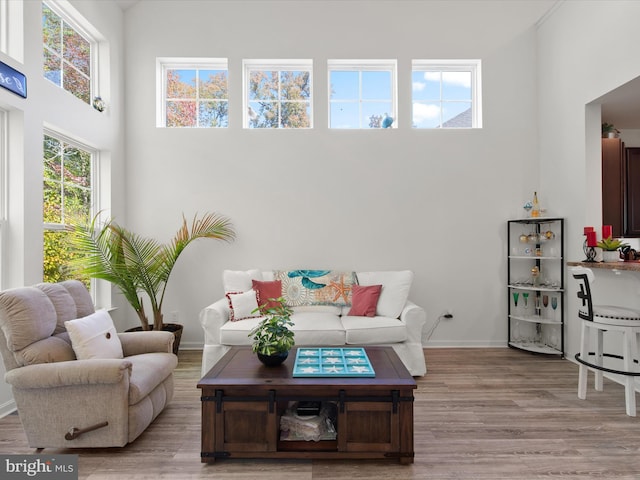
479, 414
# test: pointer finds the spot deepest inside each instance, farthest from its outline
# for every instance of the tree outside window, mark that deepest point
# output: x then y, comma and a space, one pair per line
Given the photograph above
67, 55
278, 96
67, 200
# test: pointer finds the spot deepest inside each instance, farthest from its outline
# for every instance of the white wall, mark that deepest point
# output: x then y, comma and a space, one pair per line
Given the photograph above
585, 50
48, 104
432, 201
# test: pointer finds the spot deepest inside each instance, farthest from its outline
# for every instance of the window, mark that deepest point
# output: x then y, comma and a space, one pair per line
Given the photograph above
68, 199
11, 29
194, 93
278, 94
362, 93
446, 94
67, 54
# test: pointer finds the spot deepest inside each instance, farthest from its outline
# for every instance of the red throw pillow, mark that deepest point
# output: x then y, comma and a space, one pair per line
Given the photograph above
267, 290
364, 300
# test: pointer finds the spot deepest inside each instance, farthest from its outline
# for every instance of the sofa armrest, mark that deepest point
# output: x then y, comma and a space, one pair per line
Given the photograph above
212, 318
415, 318
136, 343
75, 372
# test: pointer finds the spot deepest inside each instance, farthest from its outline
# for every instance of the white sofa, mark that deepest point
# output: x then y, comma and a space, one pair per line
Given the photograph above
397, 322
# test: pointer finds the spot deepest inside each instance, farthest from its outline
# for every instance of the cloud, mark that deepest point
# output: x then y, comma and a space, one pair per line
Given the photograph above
461, 79
419, 86
422, 112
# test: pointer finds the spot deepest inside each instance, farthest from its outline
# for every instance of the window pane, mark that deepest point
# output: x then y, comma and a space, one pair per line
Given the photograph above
52, 64
58, 253
77, 204
344, 115
213, 114
213, 84
51, 27
295, 85
52, 210
426, 115
181, 84
457, 115
456, 85
76, 83
374, 109
263, 115
77, 167
181, 114
376, 85
296, 115
77, 50
345, 85
263, 85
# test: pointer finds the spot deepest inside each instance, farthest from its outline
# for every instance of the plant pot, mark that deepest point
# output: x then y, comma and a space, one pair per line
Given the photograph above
610, 256
174, 328
273, 360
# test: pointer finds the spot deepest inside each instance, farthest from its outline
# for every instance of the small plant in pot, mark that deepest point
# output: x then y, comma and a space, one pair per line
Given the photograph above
272, 337
611, 248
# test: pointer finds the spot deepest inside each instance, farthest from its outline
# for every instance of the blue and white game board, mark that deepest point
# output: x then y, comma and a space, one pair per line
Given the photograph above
332, 362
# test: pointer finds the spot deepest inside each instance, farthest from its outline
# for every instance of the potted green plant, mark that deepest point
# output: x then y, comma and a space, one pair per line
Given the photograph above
272, 337
140, 265
610, 247
609, 130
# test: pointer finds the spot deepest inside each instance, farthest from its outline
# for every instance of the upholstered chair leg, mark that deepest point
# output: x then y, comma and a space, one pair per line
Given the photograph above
584, 355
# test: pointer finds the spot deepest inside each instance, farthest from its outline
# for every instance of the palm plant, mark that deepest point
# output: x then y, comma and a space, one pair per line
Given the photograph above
137, 264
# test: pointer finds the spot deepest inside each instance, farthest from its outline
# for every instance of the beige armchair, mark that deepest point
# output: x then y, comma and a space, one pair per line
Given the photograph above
65, 402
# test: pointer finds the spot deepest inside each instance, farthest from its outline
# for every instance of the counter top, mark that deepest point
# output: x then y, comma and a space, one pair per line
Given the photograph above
628, 266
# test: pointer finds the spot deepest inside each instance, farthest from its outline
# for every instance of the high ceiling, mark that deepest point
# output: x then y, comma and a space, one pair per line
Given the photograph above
621, 106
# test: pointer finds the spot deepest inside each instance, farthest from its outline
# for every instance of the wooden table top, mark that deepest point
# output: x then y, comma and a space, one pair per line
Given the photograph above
241, 367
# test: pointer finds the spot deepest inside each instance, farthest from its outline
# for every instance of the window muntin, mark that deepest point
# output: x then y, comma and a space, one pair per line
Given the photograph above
194, 94
69, 192
362, 93
278, 94
446, 94
67, 54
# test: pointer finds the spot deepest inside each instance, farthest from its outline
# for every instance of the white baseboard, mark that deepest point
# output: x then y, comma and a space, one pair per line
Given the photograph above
471, 344
7, 408
191, 346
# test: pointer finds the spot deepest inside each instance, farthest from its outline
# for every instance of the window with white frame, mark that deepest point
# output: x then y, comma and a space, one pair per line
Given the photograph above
67, 53
362, 94
278, 94
194, 93
69, 192
446, 94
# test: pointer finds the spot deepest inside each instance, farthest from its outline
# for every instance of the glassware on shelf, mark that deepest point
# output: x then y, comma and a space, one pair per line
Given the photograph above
525, 298
554, 305
515, 299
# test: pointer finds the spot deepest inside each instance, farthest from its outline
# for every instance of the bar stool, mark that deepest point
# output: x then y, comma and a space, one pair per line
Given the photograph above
606, 318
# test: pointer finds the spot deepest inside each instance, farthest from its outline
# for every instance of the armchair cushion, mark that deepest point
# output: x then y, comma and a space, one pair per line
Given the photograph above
48, 350
94, 336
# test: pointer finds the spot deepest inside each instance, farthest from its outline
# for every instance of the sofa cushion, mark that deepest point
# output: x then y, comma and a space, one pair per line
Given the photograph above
94, 336
18, 308
373, 330
82, 297
237, 333
267, 290
148, 370
242, 305
316, 287
238, 280
47, 350
314, 328
395, 290
365, 300
62, 301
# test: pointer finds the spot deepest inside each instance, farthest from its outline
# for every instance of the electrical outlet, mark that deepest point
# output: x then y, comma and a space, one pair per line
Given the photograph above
448, 314
175, 317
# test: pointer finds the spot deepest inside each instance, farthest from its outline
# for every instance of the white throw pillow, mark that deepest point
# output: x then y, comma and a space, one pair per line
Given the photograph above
239, 281
242, 305
395, 290
94, 336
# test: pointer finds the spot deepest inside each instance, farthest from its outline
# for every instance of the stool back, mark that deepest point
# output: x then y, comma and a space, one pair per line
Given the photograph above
583, 275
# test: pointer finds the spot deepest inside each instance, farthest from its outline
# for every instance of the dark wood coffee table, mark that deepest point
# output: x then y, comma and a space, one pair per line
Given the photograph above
242, 402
